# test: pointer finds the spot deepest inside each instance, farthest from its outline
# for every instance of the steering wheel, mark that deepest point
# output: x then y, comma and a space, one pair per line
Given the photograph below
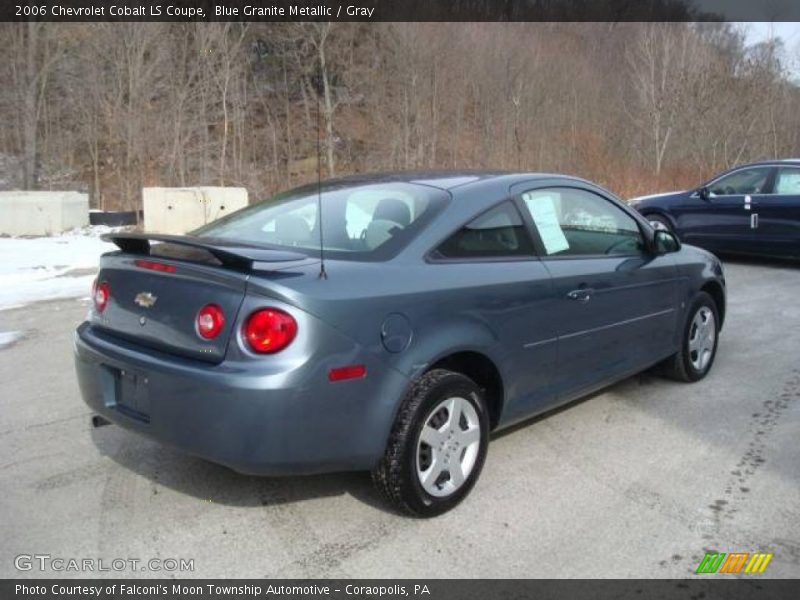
570, 217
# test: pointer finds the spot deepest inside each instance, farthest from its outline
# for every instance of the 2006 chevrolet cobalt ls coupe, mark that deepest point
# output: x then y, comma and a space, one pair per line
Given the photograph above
449, 305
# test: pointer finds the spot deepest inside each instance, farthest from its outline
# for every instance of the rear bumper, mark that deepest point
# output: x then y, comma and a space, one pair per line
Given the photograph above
254, 421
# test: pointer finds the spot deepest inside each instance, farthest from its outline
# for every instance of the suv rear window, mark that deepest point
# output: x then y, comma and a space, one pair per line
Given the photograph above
361, 222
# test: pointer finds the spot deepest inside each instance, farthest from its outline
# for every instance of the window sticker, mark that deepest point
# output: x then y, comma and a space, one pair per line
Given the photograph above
543, 212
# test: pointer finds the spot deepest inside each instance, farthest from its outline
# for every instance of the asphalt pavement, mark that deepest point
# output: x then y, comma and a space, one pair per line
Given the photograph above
637, 481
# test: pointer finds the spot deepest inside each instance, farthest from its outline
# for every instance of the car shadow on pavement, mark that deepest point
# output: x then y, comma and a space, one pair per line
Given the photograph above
210, 482
645, 378
757, 261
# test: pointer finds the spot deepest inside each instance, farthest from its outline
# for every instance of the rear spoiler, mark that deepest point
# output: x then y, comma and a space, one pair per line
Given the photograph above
229, 253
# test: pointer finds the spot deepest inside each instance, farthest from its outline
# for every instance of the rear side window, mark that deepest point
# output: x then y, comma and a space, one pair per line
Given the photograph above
496, 233
787, 182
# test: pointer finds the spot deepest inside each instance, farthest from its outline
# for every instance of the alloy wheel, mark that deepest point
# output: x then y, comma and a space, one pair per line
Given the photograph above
448, 447
702, 338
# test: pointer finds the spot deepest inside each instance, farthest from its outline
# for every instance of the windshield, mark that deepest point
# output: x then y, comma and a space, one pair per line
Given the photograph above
365, 222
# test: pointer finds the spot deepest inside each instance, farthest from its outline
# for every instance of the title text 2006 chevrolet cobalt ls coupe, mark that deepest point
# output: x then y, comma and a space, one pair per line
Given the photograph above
454, 304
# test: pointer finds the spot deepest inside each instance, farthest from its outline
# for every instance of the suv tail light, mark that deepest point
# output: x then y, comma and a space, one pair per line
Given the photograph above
269, 330
100, 295
209, 321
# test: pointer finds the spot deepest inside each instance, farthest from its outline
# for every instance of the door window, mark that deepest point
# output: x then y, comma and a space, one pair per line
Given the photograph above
743, 181
499, 232
574, 222
787, 183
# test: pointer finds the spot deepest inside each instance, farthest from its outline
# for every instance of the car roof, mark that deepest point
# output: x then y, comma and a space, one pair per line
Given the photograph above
778, 162
447, 180
770, 163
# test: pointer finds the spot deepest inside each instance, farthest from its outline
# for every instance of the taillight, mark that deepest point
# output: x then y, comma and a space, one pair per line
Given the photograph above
100, 294
210, 321
269, 330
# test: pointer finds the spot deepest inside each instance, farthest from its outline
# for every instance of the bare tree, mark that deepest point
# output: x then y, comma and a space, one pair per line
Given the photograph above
32, 51
635, 106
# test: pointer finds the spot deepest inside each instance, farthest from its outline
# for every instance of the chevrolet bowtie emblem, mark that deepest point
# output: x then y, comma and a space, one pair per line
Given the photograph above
145, 299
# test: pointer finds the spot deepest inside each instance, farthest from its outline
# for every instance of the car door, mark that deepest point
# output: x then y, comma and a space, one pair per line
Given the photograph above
722, 221
495, 280
776, 222
614, 302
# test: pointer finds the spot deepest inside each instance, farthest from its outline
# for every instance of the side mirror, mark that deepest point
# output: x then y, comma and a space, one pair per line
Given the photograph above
704, 193
665, 241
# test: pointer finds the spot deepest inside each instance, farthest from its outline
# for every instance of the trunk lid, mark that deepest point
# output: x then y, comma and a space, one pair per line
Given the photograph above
156, 291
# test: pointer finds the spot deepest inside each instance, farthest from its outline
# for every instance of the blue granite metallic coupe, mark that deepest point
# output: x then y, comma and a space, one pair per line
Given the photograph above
447, 306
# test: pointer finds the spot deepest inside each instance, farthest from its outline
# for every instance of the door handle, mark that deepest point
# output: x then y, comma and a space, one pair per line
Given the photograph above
754, 221
582, 294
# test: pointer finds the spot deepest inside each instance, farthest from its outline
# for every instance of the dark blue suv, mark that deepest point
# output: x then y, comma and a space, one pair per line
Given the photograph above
750, 209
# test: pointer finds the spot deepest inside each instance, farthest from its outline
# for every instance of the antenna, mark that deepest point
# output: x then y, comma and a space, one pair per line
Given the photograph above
322, 273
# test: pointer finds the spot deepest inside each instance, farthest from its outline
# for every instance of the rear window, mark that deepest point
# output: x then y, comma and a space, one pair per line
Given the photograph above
367, 222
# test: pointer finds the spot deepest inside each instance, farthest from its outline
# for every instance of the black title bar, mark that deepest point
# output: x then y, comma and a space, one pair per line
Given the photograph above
708, 588
399, 10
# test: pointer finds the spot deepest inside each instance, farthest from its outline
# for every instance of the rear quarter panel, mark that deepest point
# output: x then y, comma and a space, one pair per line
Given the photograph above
495, 309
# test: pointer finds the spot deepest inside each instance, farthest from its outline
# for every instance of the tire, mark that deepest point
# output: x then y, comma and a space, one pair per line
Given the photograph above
660, 219
424, 451
696, 356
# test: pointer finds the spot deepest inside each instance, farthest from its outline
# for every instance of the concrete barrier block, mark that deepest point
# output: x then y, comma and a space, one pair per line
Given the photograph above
42, 213
179, 210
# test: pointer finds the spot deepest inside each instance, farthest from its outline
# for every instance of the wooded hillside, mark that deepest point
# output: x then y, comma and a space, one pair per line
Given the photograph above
111, 107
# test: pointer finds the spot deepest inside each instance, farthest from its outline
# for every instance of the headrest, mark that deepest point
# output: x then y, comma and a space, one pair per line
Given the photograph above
392, 209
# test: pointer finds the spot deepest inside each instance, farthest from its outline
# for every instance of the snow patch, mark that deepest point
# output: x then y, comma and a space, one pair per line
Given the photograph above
44, 268
11, 306
8, 338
